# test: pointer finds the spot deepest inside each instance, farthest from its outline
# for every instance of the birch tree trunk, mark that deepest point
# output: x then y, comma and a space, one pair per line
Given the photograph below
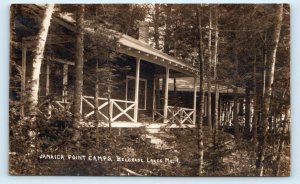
34, 86
209, 74
201, 100
270, 69
216, 109
216, 112
38, 58
78, 72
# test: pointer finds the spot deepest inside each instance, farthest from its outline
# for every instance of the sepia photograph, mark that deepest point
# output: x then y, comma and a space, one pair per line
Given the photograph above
149, 90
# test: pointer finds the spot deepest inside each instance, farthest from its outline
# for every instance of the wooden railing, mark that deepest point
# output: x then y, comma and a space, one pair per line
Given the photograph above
180, 115
46, 107
158, 115
115, 108
176, 115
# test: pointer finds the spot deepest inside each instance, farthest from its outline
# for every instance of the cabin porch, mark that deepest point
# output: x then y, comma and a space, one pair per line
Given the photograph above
136, 103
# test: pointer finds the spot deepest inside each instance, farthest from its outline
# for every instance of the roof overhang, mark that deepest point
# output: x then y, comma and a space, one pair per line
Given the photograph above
139, 49
131, 46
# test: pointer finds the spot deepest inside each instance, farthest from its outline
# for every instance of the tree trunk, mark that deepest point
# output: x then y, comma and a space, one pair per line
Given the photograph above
282, 141
248, 114
156, 25
201, 100
96, 101
264, 66
216, 112
96, 104
167, 38
255, 106
209, 74
35, 79
235, 98
38, 58
270, 68
109, 105
78, 72
216, 108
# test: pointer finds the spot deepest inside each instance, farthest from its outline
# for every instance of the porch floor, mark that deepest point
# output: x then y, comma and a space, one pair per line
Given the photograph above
124, 124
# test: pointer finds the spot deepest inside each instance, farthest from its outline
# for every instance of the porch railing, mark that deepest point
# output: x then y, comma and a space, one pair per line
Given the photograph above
115, 108
176, 115
180, 115
45, 107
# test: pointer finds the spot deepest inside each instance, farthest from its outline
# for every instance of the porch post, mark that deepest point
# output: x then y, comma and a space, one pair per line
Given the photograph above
126, 91
23, 75
136, 93
158, 107
166, 95
195, 100
153, 99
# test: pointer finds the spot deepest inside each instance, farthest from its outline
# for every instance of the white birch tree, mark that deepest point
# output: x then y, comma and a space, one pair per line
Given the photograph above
38, 58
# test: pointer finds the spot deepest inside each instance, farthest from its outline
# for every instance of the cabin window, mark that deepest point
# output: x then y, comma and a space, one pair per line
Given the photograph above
130, 90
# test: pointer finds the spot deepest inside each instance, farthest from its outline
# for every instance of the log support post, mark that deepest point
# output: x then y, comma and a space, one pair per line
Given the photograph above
153, 99
195, 100
136, 94
166, 95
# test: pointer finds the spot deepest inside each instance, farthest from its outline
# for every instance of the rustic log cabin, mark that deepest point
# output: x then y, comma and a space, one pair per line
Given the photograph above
146, 93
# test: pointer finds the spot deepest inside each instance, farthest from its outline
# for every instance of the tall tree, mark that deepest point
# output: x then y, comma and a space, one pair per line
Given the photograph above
96, 95
202, 93
36, 70
38, 58
209, 119
216, 111
167, 36
35, 79
255, 106
156, 22
270, 69
282, 141
78, 71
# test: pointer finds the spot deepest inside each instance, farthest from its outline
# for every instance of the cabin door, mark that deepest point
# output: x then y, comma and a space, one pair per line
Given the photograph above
130, 91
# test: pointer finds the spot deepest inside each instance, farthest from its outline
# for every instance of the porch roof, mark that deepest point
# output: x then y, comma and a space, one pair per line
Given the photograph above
129, 46
142, 50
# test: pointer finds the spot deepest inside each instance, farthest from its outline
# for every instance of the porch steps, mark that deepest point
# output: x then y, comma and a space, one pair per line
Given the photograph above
160, 138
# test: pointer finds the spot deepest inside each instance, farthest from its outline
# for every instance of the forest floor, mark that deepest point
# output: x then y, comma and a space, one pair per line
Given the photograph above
179, 157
